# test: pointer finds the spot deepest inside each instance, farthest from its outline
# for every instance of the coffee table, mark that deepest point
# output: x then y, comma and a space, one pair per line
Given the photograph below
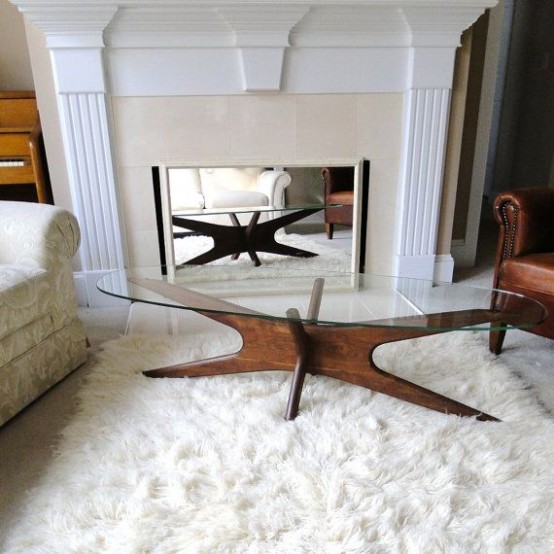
255, 236
323, 323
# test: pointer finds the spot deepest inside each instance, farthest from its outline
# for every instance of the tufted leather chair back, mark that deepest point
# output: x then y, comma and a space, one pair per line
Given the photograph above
525, 252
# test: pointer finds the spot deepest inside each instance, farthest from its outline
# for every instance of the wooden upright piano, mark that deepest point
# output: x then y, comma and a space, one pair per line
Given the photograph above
22, 155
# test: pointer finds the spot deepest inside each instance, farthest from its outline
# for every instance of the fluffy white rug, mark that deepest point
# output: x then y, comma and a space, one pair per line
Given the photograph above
208, 465
330, 257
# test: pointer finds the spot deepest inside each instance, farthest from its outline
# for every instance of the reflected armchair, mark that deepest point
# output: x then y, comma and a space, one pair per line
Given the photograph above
338, 189
525, 252
226, 187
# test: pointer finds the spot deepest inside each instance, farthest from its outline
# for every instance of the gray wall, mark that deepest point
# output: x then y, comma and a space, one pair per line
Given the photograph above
523, 154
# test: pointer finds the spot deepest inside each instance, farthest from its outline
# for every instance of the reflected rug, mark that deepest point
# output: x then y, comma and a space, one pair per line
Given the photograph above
331, 258
208, 465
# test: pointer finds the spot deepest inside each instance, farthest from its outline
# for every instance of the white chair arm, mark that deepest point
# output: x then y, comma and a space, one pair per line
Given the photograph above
273, 183
37, 235
185, 188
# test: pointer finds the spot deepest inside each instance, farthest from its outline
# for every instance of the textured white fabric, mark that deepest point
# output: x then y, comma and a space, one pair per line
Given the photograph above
41, 338
209, 465
273, 185
185, 189
25, 295
215, 179
45, 362
236, 198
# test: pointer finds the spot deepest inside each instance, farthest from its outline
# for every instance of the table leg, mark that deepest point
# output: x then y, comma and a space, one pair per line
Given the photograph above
249, 233
301, 342
236, 223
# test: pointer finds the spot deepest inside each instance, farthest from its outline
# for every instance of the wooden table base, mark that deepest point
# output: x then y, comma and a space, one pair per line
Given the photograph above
232, 240
337, 351
344, 353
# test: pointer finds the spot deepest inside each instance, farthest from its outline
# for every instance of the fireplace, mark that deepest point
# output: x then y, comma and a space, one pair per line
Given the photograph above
230, 82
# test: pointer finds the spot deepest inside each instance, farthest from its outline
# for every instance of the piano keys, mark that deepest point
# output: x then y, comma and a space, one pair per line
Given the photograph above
11, 163
22, 155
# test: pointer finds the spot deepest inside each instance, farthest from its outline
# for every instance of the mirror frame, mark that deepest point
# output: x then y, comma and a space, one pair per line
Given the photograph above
361, 185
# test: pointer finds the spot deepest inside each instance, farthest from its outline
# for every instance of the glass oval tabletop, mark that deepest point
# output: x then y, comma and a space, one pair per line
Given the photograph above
188, 212
325, 298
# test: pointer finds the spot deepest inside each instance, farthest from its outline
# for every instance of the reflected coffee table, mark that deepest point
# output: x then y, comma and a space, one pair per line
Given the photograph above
255, 236
322, 323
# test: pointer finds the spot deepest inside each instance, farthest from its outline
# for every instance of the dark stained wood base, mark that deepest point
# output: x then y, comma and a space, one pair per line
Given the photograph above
344, 353
232, 240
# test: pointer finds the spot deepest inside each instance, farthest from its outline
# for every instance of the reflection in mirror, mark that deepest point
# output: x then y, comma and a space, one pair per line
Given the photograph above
262, 215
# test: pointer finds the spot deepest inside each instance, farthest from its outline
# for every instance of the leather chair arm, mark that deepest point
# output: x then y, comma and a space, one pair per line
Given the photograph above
526, 220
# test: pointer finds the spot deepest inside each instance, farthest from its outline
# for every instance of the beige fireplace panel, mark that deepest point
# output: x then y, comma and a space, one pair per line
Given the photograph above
256, 130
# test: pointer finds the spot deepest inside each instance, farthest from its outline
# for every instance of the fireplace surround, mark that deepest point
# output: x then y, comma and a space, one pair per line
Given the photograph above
239, 82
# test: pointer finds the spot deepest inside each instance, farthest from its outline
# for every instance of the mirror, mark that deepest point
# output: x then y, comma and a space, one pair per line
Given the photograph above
205, 213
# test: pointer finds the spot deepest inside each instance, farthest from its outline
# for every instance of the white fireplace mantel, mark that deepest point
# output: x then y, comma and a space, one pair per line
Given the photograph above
103, 49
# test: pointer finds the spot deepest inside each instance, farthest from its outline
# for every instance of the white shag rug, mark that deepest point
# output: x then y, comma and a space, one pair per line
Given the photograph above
208, 465
331, 258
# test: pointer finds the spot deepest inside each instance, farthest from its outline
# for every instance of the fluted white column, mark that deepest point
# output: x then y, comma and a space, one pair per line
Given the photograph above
88, 151
426, 120
75, 40
90, 165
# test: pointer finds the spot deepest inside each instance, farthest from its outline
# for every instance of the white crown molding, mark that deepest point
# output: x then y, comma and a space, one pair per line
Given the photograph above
260, 32
262, 26
440, 25
257, 23
71, 24
166, 26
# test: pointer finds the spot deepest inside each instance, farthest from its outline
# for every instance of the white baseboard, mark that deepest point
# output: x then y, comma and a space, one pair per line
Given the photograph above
437, 267
87, 293
444, 268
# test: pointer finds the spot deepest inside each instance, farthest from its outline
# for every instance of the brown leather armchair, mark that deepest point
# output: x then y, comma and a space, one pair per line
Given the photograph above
339, 189
525, 251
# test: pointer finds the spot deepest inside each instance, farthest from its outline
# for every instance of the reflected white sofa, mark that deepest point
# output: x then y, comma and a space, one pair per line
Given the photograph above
41, 337
226, 187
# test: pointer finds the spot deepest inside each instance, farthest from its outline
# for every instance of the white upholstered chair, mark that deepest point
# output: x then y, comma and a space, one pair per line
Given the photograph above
226, 187
41, 337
